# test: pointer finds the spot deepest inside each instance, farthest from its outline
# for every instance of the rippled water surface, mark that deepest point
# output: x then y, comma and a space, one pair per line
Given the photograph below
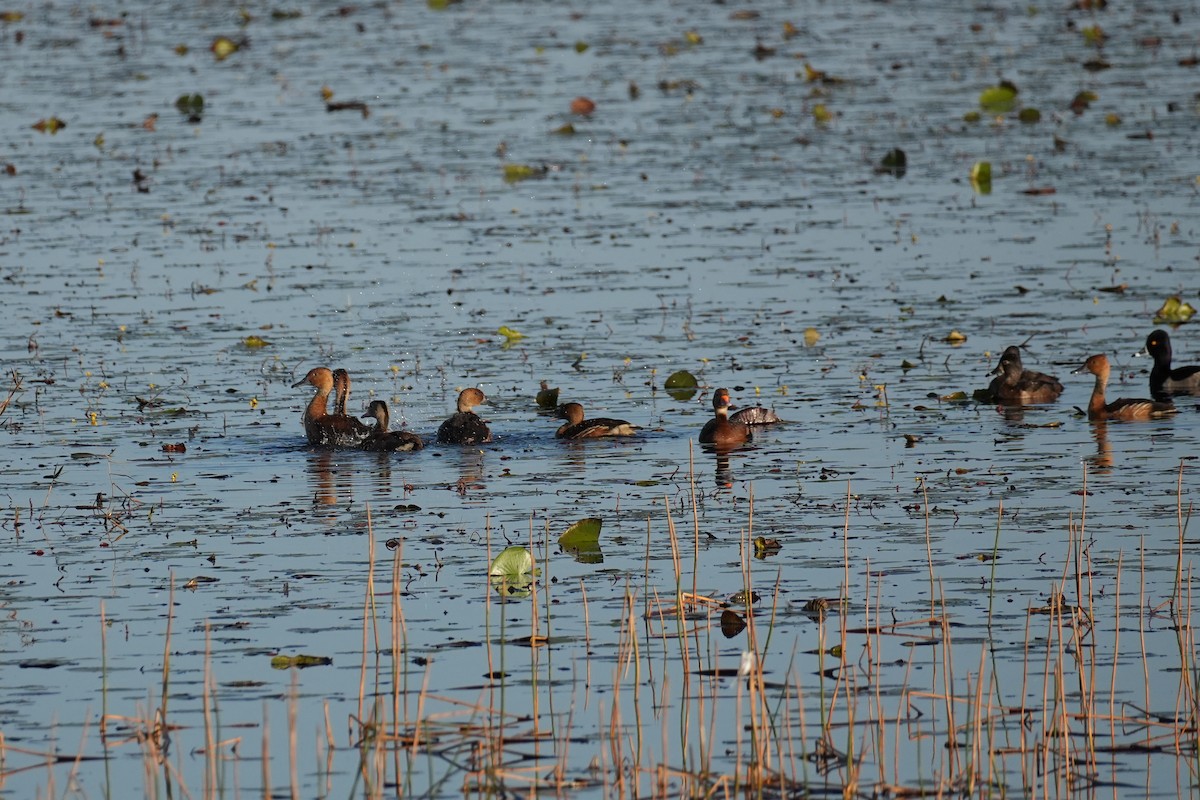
702, 218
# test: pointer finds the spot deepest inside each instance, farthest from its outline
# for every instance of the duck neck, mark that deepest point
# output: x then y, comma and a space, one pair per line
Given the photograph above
1096, 403
318, 406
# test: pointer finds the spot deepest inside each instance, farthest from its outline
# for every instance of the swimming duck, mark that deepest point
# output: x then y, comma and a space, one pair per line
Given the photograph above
383, 440
1118, 409
1165, 381
322, 428
465, 426
576, 427
719, 430
1017, 385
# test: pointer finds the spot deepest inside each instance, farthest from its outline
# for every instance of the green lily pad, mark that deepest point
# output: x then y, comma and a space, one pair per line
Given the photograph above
681, 385
998, 99
1173, 312
512, 572
981, 177
513, 562
584, 533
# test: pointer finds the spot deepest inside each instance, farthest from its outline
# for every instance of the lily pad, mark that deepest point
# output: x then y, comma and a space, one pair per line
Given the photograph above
191, 106
1173, 312
511, 334
287, 662
681, 385
981, 177
998, 99
585, 533
512, 572
895, 163
514, 563
732, 624
547, 397
514, 173
223, 47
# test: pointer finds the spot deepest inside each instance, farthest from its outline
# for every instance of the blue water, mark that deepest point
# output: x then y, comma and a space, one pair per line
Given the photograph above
704, 224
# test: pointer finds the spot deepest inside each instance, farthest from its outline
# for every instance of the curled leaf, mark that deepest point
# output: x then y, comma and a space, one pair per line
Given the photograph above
1173, 312
981, 177
510, 334
584, 533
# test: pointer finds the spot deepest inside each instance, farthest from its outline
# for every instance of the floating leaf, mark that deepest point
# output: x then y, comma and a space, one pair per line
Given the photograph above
585, 533
582, 105
681, 380
1094, 35
1112, 120
191, 106
223, 47
512, 563
811, 335
521, 172
981, 177
581, 47
511, 572
955, 337
954, 397
972, 116
510, 334
564, 130
693, 38
582, 541
1029, 116
547, 397
11, 16
50, 125
1081, 101
764, 547
895, 162
255, 341
998, 99
681, 385
287, 662
1173, 312
731, 623
821, 114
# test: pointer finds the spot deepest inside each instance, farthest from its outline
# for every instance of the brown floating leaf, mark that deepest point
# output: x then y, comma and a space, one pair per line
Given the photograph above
175, 448
51, 125
1035, 190
731, 624
350, 105
582, 105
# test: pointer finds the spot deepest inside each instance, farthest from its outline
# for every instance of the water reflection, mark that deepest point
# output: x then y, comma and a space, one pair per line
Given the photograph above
723, 473
326, 488
470, 471
1103, 459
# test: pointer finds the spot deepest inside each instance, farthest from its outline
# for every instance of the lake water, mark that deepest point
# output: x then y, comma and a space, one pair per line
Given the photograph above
701, 218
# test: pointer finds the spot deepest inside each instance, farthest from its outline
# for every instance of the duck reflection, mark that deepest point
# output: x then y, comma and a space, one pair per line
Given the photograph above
723, 475
1102, 462
470, 470
331, 486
